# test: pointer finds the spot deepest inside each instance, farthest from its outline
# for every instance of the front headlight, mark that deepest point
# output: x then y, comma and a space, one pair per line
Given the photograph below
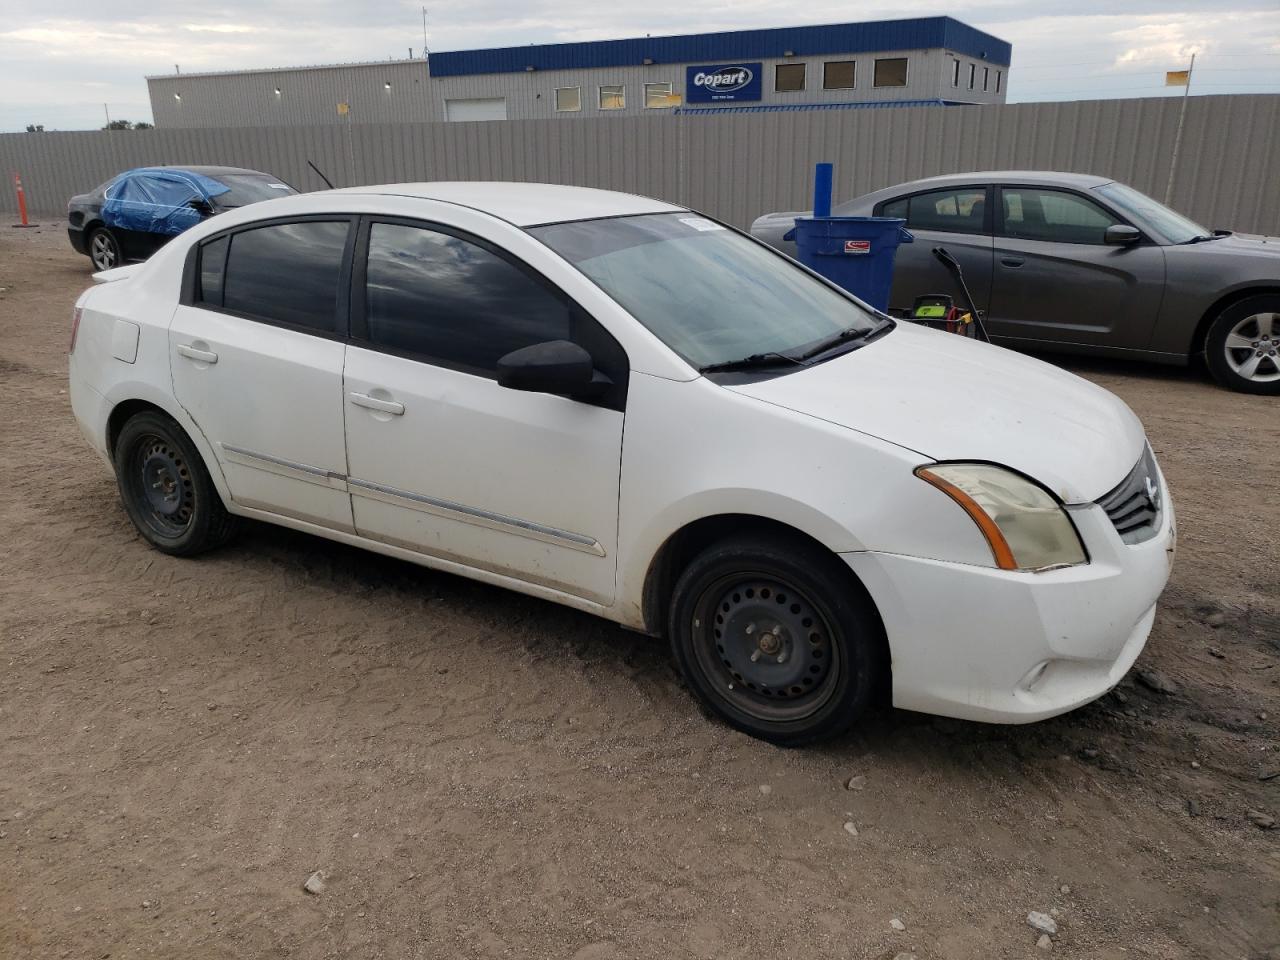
1025, 526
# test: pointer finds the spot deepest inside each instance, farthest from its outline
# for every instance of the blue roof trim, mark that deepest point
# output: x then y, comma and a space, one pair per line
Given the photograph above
791, 107
924, 33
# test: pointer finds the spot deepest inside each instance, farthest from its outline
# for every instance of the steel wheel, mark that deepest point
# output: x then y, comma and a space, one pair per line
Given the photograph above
1252, 348
162, 488
103, 250
766, 646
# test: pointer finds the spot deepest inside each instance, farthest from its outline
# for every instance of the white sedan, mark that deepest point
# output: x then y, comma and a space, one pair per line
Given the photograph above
626, 407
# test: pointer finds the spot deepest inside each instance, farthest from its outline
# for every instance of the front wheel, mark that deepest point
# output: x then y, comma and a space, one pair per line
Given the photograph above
1242, 348
104, 249
774, 637
166, 489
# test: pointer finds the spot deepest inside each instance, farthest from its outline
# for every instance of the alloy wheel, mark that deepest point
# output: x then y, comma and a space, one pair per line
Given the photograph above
103, 250
1252, 348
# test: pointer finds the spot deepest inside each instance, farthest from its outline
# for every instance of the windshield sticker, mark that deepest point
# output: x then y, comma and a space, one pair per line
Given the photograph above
278, 186
700, 223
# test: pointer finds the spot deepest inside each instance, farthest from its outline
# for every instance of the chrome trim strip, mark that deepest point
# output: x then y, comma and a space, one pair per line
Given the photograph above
286, 468
483, 518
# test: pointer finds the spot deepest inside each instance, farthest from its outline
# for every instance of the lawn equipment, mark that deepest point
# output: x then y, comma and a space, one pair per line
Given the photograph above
939, 311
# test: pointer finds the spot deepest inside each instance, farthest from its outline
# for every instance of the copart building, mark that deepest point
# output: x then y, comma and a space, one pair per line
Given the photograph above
931, 60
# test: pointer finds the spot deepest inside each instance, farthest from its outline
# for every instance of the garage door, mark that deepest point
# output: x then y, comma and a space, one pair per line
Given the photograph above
487, 108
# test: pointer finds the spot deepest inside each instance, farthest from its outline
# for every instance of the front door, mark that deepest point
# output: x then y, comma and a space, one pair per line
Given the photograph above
257, 359
442, 459
1055, 279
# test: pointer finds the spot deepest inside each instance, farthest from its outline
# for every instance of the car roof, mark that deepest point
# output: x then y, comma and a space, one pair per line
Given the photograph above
1082, 181
526, 204
216, 171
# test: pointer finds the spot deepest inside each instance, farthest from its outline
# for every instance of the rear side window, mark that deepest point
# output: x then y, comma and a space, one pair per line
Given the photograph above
454, 301
1053, 215
286, 273
213, 262
954, 210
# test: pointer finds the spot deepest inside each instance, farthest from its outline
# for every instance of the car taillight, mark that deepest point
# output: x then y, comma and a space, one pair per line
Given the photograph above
75, 328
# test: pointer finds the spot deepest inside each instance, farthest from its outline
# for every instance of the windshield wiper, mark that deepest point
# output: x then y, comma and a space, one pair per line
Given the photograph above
753, 362
850, 333
1202, 238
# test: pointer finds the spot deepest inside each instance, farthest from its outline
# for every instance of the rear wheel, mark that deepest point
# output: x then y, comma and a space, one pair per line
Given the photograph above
772, 636
104, 249
1242, 348
166, 489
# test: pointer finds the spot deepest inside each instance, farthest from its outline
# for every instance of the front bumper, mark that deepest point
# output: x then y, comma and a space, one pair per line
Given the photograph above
1000, 646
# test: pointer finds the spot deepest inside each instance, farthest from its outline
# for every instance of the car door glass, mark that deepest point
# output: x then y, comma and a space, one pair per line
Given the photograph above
954, 210
287, 273
1053, 215
213, 261
454, 301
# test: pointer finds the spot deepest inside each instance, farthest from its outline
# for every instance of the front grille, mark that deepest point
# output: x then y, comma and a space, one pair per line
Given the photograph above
1135, 505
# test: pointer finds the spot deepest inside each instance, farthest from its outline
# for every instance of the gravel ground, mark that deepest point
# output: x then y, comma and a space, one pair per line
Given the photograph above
479, 774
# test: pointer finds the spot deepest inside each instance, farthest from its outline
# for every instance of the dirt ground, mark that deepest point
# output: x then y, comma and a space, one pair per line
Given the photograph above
479, 774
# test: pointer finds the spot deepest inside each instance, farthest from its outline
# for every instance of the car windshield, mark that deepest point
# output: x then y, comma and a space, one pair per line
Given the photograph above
1174, 227
249, 188
711, 294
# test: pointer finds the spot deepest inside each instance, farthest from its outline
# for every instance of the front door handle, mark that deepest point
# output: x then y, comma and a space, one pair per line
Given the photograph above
1012, 261
373, 403
195, 353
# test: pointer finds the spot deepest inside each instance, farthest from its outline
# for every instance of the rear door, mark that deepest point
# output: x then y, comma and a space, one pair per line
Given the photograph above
957, 218
1056, 280
256, 349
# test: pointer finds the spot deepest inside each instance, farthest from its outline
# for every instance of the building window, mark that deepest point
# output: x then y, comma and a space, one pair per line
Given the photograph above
613, 97
891, 73
999, 73
657, 95
986, 78
955, 73
568, 99
788, 77
973, 72
839, 75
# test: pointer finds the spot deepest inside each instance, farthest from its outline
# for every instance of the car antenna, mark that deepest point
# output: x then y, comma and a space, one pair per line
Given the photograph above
320, 175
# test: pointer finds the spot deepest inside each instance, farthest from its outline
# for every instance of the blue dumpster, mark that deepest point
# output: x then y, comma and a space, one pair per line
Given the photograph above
856, 253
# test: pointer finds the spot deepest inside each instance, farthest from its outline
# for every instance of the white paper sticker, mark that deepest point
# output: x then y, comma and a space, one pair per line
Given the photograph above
701, 223
278, 186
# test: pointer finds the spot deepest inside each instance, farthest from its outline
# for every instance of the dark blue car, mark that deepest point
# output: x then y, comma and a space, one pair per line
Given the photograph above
135, 213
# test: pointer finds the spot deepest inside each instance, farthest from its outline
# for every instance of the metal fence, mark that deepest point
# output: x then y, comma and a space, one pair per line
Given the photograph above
733, 167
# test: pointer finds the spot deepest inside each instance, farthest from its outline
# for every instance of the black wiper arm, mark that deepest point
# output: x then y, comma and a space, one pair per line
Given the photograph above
753, 362
850, 333
1201, 238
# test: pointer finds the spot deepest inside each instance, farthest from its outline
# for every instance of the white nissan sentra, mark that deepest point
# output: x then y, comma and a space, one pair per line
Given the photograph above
623, 406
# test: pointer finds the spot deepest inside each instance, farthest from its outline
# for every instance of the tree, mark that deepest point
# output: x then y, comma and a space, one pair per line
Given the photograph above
35, 128
118, 125
143, 125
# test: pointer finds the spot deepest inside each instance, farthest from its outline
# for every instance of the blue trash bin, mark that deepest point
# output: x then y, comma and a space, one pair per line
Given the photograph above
855, 252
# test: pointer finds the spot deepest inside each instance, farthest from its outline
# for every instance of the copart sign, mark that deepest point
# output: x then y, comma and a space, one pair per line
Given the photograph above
723, 83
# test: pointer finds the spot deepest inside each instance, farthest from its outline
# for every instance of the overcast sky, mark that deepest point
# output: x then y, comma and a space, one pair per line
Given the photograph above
61, 61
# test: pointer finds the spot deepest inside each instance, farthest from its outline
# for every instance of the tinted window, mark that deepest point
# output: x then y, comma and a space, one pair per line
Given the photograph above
1053, 215
453, 300
287, 273
213, 257
838, 74
955, 210
891, 73
250, 188
789, 77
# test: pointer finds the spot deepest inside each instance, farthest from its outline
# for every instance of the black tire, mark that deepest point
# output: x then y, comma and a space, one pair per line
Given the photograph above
1246, 334
166, 488
776, 638
104, 250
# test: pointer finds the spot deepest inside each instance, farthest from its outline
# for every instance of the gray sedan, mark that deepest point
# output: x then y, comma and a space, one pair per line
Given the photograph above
1086, 265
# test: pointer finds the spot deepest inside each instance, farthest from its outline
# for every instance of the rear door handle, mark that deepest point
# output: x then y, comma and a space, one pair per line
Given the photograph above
373, 403
1012, 261
194, 353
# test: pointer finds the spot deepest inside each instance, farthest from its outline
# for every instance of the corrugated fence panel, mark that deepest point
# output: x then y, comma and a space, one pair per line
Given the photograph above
734, 167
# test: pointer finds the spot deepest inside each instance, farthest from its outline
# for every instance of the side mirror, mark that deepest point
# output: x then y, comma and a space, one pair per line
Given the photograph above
1121, 235
201, 207
557, 366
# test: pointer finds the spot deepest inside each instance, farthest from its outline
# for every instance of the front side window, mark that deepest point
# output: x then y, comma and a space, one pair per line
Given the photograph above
568, 99
954, 210
839, 74
287, 273
1031, 213
891, 73
452, 300
709, 293
788, 77
1172, 225
613, 97
657, 95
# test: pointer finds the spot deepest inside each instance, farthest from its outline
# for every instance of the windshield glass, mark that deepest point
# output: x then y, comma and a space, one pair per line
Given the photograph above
1174, 227
246, 188
709, 293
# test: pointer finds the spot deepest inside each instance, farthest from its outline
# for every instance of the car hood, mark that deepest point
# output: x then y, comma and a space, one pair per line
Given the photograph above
1244, 243
951, 398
